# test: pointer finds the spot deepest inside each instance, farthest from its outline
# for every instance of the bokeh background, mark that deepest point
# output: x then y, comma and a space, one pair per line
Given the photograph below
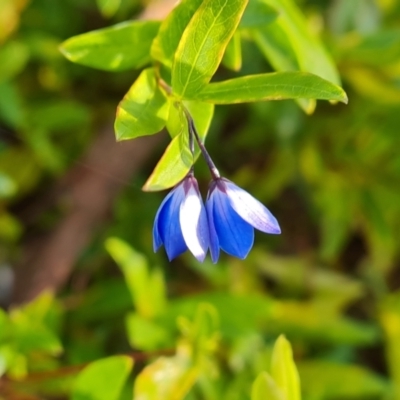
330, 282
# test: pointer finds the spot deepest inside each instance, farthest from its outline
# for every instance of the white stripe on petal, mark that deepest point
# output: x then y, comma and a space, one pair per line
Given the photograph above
193, 220
251, 210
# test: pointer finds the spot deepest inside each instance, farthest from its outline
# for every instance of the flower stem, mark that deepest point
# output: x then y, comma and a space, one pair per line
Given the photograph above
193, 133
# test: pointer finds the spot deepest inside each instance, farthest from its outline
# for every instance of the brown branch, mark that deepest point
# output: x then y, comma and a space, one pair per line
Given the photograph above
91, 187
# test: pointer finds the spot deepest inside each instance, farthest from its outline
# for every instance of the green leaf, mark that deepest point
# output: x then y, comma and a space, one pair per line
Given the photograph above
167, 378
103, 379
11, 108
203, 44
271, 86
13, 58
330, 380
177, 158
284, 371
233, 54
258, 14
108, 7
166, 42
389, 317
264, 388
145, 334
147, 288
288, 45
310, 53
144, 109
119, 47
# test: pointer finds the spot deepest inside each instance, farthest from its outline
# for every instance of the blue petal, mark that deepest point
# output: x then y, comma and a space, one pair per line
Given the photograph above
236, 236
250, 209
193, 221
169, 228
157, 241
214, 242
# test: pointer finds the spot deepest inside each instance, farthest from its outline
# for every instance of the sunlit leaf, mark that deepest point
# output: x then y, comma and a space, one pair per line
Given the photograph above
203, 44
284, 371
119, 47
171, 30
271, 86
144, 109
264, 388
167, 378
102, 379
177, 158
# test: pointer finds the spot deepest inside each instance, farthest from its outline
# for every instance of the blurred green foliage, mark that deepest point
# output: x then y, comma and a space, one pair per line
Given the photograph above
330, 283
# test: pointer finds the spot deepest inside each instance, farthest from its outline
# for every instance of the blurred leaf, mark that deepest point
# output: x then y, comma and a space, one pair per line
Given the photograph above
167, 378
379, 49
10, 228
237, 314
258, 14
7, 186
33, 326
144, 109
373, 85
145, 334
119, 47
284, 371
177, 158
328, 380
166, 42
102, 379
316, 322
233, 54
11, 109
108, 7
203, 43
147, 288
264, 387
13, 58
271, 86
389, 316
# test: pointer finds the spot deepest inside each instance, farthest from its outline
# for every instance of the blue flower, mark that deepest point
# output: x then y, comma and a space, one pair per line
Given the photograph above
181, 222
232, 216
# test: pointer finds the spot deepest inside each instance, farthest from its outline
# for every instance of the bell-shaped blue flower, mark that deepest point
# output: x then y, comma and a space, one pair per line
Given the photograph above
181, 222
232, 216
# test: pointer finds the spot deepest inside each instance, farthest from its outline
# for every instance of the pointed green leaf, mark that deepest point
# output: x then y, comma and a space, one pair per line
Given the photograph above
143, 110
310, 53
103, 379
177, 158
288, 45
264, 388
284, 371
166, 42
271, 86
233, 54
119, 47
203, 44
276, 47
258, 14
